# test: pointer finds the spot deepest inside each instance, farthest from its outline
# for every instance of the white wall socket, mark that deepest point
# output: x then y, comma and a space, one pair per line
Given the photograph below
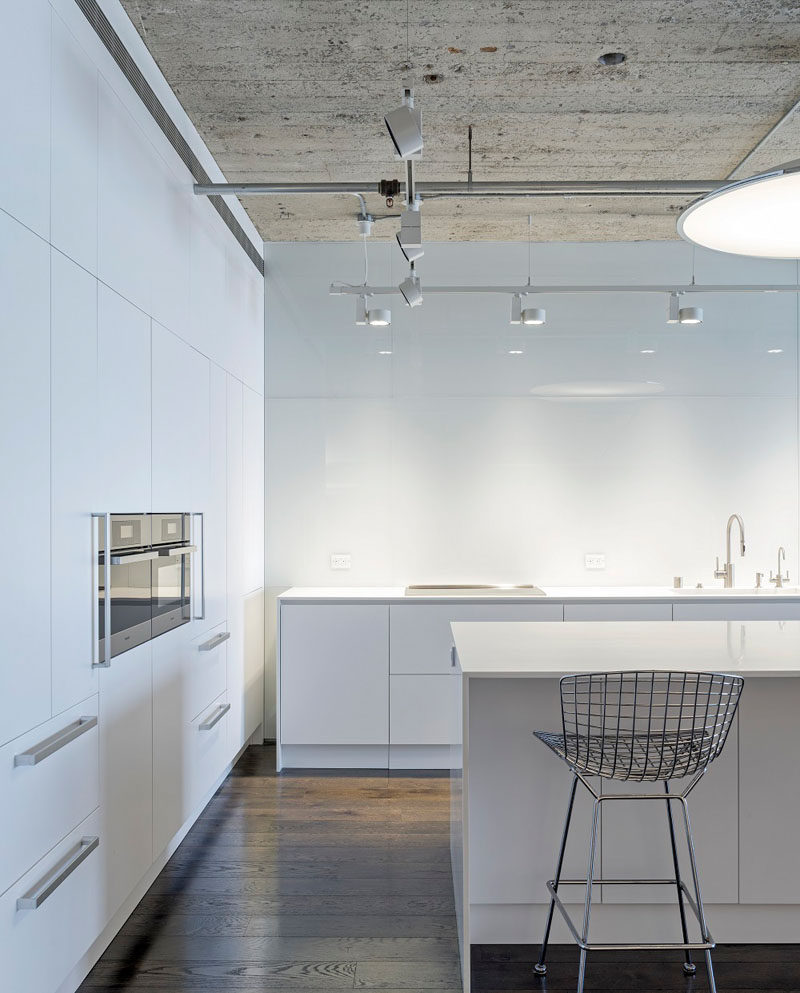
594, 560
341, 560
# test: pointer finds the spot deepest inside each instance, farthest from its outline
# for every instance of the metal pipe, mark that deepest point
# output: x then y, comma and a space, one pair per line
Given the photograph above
759, 144
351, 289
533, 188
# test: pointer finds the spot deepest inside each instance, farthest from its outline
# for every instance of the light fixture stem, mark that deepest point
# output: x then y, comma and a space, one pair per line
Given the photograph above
366, 262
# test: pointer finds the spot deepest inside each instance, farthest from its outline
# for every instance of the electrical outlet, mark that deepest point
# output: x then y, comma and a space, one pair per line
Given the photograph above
341, 560
594, 560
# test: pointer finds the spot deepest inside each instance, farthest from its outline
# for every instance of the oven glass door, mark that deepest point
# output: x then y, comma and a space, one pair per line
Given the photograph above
129, 582
171, 590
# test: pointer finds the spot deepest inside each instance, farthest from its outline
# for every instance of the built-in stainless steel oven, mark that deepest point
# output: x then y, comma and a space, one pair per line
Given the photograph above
144, 588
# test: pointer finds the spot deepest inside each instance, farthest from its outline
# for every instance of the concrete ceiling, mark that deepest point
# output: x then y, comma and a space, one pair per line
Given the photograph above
295, 90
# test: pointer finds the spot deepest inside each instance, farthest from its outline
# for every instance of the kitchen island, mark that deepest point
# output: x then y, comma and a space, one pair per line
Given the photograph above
509, 792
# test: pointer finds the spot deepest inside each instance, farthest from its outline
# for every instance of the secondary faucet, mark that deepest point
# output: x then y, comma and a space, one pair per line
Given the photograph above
778, 579
726, 573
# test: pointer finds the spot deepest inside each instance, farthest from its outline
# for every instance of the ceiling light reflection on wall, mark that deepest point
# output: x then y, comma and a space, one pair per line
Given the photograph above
774, 351
758, 216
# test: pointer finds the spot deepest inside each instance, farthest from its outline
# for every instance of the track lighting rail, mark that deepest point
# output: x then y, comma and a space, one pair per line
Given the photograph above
525, 289
526, 188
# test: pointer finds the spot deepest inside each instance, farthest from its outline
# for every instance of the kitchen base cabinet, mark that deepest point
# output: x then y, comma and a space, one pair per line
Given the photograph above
49, 781
126, 773
40, 945
423, 720
335, 674
769, 784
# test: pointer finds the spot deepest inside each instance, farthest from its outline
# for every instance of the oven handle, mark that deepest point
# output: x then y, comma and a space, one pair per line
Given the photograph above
123, 559
201, 530
97, 663
167, 553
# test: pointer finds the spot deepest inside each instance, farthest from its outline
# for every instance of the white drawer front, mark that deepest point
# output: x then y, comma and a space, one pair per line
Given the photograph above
206, 665
617, 611
420, 635
39, 947
208, 738
49, 781
423, 710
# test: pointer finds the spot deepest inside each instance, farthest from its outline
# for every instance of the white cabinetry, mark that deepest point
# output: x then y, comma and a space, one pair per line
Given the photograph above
189, 674
180, 424
76, 475
215, 508
126, 773
39, 947
49, 782
253, 491
335, 676
769, 784
617, 611
25, 683
122, 405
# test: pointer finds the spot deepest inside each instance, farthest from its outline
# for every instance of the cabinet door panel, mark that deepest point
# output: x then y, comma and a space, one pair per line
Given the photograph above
421, 710
122, 427
25, 682
253, 491
214, 513
126, 772
39, 948
769, 780
617, 611
235, 558
732, 611
334, 674
421, 637
75, 472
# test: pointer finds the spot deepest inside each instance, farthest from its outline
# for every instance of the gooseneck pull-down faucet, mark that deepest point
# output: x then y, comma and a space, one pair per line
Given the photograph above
726, 573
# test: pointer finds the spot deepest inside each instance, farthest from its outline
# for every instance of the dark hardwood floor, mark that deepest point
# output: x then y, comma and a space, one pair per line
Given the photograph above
333, 881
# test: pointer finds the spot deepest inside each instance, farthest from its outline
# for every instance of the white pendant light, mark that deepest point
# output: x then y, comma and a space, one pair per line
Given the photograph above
380, 317
534, 315
759, 216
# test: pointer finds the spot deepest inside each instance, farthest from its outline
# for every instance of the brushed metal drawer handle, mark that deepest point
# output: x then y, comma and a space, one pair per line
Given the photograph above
35, 755
133, 557
209, 722
36, 896
212, 643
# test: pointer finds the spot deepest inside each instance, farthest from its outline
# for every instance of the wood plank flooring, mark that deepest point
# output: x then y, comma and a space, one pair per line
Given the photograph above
329, 881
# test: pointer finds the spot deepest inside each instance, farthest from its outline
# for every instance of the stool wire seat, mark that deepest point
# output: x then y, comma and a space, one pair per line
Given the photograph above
648, 727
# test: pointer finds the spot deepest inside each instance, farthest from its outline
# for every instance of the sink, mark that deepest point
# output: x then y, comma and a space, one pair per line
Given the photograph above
473, 589
741, 591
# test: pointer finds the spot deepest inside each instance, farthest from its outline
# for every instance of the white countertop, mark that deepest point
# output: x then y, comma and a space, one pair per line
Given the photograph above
393, 594
544, 649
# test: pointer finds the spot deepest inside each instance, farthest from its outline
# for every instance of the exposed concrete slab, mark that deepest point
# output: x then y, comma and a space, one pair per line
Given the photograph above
294, 90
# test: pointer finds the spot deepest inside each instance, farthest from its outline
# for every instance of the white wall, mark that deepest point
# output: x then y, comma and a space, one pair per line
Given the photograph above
437, 464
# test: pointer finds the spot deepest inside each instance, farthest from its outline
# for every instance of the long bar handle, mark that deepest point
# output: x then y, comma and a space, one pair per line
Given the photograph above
209, 722
212, 643
174, 550
123, 559
37, 754
201, 522
36, 896
106, 661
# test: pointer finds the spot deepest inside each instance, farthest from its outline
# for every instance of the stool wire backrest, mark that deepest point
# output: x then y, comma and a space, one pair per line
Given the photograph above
647, 725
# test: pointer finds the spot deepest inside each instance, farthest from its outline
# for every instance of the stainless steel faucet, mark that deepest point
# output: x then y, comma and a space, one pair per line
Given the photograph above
778, 579
727, 572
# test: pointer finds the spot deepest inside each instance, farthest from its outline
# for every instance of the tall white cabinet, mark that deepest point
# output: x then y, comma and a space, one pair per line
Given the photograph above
131, 348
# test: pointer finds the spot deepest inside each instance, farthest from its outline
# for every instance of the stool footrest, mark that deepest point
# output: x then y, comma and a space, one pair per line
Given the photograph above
706, 944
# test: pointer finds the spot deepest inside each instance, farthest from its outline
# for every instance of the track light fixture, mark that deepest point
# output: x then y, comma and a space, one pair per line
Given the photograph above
405, 127
379, 317
409, 237
529, 316
683, 315
411, 289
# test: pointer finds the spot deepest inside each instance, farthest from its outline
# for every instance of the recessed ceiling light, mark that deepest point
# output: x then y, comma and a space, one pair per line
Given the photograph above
758, 216
612, 58
774, 351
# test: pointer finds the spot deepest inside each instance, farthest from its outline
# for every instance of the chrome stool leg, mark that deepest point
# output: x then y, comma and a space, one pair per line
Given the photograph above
701, 914
540, 968
587, 909
688, 966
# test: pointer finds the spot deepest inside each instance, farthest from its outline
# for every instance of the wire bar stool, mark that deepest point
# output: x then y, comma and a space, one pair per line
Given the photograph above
646, 727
